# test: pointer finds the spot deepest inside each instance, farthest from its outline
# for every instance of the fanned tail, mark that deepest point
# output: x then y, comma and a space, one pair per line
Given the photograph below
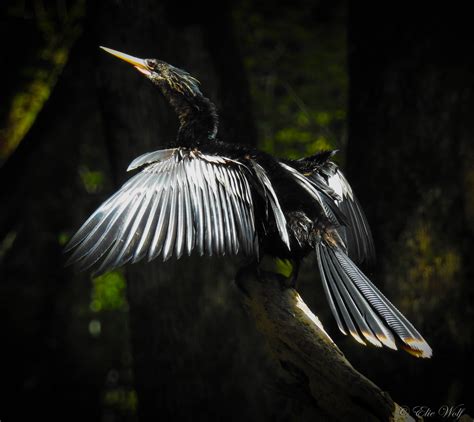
360, 308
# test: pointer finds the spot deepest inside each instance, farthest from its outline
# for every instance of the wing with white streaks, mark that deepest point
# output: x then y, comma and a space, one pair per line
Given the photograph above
181, 201
327, 185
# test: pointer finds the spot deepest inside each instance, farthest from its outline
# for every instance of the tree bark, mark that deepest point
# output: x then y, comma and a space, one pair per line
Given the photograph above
313, 367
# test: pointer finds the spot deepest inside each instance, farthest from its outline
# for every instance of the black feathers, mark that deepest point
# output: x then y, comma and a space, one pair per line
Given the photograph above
337, 192
216, 198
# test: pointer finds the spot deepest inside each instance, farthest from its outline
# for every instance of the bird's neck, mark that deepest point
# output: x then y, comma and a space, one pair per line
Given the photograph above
198, 121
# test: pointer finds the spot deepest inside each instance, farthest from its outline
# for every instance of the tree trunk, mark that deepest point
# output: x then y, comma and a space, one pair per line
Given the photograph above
410, 161
40, 298
312, 368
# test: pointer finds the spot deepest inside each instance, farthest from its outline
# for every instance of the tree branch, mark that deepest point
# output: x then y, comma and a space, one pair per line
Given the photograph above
312, 365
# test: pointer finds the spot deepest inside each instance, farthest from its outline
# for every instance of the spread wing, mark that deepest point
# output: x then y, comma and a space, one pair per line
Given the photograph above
181, 201
335, 190
357, 232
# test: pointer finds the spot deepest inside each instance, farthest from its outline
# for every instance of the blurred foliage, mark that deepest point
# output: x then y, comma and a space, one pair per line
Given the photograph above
428, 267
298, 73
58, 24
124, 400
432, 265
93, 181
95, 328
63, 238
284, 267
425, 275
108, 292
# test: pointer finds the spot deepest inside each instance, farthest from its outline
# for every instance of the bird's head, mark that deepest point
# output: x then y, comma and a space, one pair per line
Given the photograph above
162, 73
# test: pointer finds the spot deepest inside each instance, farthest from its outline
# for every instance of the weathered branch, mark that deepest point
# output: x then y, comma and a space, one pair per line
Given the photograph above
311, 363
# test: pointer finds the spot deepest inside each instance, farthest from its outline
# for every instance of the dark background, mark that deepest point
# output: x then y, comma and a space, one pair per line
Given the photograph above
391, 85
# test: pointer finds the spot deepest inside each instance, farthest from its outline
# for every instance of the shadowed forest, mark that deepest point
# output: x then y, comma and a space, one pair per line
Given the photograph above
390, 86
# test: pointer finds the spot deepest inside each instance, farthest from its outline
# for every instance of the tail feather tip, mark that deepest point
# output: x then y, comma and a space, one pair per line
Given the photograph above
418, 348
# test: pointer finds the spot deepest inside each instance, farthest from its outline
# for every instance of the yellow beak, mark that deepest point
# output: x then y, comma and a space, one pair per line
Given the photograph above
139, 64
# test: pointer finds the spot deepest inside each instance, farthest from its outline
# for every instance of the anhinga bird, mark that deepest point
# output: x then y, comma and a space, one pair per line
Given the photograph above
216, 198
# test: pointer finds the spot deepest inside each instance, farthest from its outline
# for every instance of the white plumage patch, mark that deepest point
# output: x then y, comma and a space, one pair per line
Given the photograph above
181, 201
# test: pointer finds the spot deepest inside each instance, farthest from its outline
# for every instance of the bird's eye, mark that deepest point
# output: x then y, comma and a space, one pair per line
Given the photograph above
151, 63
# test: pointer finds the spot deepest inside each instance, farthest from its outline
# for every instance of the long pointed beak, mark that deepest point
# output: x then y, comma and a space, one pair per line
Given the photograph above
139, 64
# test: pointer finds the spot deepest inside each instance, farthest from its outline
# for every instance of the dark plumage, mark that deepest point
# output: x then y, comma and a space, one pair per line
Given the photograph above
215, 198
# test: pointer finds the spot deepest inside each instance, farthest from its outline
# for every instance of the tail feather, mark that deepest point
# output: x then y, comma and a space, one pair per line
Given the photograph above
363, 307
367, 320
340, 303
332, 305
